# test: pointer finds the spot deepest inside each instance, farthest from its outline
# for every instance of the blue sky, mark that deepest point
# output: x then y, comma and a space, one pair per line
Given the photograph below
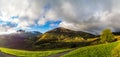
41, 22
36, 27
46, 27
42, 15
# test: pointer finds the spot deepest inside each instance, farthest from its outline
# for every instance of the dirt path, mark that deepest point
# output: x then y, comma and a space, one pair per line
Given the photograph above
59, 54
6, 55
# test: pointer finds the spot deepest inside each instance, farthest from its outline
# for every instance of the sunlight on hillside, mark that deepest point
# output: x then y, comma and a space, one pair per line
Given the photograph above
102, 50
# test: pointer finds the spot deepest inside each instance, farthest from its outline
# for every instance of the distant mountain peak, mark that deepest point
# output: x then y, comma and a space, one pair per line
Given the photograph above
20, 30
60, 30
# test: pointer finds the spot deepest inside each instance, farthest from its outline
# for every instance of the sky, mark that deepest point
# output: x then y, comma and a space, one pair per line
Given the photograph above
42, 15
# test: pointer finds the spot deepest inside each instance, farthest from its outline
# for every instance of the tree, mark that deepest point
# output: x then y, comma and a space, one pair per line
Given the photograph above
107, 36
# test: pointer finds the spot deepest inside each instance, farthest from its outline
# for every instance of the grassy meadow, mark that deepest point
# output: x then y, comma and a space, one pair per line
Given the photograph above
102, 50
23, 53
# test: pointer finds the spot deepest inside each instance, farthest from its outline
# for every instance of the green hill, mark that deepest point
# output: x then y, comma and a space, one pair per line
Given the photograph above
103, 50
63, 38
63, 33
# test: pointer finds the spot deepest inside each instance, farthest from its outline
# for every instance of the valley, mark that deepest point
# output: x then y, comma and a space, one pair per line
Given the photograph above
58, 42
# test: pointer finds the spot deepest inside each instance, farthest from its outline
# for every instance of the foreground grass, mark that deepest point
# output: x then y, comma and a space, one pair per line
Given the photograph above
103, 50
23, 53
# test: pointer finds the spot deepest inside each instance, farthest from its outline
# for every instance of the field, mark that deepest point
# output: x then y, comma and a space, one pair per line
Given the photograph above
103, 50
23, 53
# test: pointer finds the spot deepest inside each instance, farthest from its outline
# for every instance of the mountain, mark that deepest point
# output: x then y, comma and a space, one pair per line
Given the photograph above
62, 33
60, 37
19, 40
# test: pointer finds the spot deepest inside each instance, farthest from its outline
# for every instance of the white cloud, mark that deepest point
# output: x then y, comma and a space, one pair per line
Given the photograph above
51, 15
42, 21
84, 15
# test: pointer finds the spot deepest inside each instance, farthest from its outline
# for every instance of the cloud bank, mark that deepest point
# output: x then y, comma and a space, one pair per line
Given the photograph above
81, 15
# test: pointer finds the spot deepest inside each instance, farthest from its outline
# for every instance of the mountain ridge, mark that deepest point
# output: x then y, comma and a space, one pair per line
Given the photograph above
62, 38
64, 31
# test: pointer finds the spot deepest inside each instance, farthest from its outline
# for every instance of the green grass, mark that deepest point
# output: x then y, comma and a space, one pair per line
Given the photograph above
103, 50
23, 53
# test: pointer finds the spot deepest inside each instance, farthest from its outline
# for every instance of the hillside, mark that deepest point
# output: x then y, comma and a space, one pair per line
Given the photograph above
62, 37
102, 50
19, 40
63, 33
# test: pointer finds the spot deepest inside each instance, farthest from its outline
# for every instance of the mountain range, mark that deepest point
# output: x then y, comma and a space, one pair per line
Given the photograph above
55, 38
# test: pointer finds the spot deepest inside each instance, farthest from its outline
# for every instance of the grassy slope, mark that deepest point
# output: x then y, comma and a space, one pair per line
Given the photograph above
103, 50
23, 53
